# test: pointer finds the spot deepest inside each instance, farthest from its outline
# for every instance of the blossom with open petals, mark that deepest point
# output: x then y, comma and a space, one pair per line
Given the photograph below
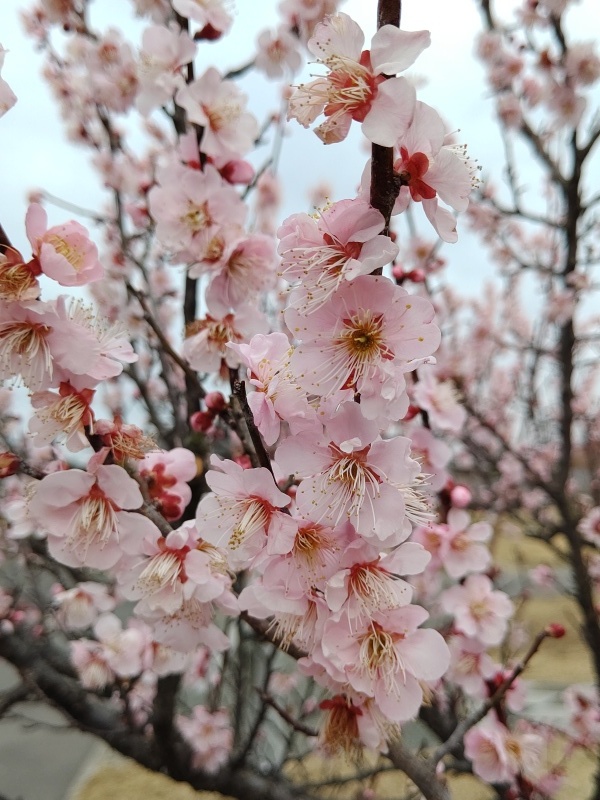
65, 252
356, 86
319, 253
366, 337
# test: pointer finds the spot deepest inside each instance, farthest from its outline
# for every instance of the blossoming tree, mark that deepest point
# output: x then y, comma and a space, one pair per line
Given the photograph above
229, 549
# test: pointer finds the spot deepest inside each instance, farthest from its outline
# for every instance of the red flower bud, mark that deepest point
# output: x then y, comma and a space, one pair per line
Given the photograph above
201, 421
555, 630
9, 464
411, 413
209, 33
215, 402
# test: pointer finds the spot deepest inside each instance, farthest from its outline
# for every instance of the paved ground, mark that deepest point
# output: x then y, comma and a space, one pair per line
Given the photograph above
40, 758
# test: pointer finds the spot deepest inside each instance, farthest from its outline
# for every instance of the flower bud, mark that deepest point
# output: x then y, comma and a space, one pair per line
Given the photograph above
201, 421
555, 630
9, 464
215, 402
460, 496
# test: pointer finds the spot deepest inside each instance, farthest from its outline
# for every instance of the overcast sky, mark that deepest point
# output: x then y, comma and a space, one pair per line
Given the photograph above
34, 152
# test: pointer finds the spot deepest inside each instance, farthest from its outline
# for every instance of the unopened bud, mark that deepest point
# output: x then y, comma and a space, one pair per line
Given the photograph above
201, 421
9, 464
460, 496
209, 33
411, 413
416, 275
215, 402
238, 171
555, 630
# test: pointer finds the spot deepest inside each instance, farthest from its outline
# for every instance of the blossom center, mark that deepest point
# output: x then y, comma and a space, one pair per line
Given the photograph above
73, 254
27, 340
222, 115
255, 517
95, 521
197, 217
164, 569
351, 89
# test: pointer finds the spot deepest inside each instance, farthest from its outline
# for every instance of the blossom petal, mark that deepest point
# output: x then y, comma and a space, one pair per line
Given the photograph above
393, 50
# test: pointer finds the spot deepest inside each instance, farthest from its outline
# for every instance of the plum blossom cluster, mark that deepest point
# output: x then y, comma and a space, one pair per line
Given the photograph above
304, 503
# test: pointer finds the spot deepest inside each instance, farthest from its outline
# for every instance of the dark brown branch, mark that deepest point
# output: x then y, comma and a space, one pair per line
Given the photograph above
384, 183
265, 630
420, 771
5, 243
238, 390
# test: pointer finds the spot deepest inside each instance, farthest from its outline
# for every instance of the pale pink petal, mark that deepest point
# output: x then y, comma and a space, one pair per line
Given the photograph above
391, 112
394, 50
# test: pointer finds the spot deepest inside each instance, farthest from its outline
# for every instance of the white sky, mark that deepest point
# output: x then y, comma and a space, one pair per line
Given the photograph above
34, 152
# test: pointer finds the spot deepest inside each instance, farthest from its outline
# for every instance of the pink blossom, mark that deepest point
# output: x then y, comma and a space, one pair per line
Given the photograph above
207, 339
210, 736
356, 87
123, 649
246, 271
582, 63
440, 400
191, 625
83, 514
78, 607
206, 12
387, 657
24, 343
433, 454
242, 509
91, 663
18, 281
589, 526
170, 571
304, 15
351, 474
66, 414
277, 398
49, 344
277, 53
584, 722
369, 333
101, 348
466, 550
351, 722
167, 474
342, 243
162, 55
107, 69
122, 440
65, 252
295, 619
195, 212
305, 555
470, 666
219, 107
499, 755
7, 96
567, 105
367, 581
479, 611
430, 169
